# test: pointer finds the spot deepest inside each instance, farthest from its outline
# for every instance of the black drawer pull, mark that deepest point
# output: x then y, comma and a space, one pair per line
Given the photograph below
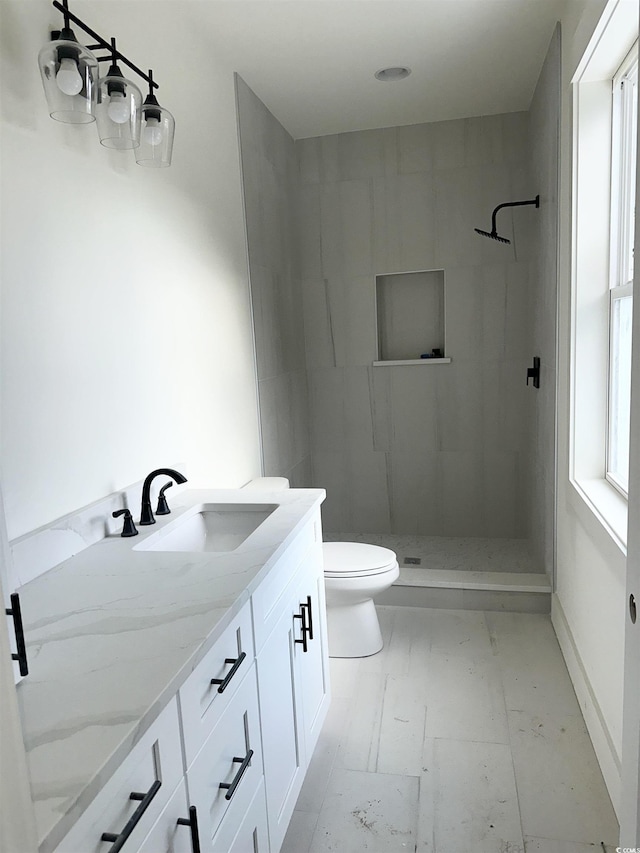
244, 763
192, 822
308, 606
303, 618
224, 682
145, 799
21, 656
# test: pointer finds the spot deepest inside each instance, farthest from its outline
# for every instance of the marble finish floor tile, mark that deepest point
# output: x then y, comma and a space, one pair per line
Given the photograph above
549, 845
423, 752
324, 756
300, 832
534, 674
468, 800
359, 748
456, 632
466, 701
560, 786
367, 811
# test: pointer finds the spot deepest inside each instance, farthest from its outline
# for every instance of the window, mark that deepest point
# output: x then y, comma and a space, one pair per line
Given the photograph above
623, 184
604, 119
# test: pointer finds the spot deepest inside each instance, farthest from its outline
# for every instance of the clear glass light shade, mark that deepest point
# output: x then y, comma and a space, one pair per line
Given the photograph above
118, 113
156, 139
69, 75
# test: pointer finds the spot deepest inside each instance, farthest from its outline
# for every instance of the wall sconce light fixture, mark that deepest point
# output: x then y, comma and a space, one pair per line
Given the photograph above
76, 94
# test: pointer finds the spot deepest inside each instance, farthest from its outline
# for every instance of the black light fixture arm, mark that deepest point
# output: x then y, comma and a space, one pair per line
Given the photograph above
535, 201
101, 43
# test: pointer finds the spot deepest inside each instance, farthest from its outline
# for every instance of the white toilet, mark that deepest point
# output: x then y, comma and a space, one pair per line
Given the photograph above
353, 573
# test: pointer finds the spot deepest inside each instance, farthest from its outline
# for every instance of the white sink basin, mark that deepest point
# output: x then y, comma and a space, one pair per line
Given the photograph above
212, 527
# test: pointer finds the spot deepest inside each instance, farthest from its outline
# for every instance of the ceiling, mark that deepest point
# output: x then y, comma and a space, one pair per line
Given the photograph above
312, 61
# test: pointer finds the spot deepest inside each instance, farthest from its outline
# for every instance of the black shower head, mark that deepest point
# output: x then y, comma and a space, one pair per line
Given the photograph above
493, 235
494, 232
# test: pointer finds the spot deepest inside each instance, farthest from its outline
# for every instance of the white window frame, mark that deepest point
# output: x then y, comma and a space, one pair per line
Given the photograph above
590, 494
623, 187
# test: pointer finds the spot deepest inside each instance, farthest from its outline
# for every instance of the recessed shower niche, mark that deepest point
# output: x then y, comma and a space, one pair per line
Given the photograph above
410, 318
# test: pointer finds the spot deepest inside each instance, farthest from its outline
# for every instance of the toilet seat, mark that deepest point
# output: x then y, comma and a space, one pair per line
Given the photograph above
356, 559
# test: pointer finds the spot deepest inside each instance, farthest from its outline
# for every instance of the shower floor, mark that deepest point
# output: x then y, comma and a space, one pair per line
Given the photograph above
473, 574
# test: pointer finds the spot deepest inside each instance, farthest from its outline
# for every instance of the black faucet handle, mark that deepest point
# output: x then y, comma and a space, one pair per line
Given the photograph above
129, 528
163, 506
146, 513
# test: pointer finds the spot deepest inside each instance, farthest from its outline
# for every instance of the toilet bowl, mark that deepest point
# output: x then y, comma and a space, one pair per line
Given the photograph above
353, 573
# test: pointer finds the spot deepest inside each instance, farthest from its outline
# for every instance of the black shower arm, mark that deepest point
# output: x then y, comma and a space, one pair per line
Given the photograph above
535, 201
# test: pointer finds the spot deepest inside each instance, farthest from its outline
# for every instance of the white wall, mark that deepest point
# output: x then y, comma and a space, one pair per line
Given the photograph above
589, 603
126, 329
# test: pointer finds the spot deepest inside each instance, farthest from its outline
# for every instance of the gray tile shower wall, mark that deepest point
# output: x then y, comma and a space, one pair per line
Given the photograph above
545, 130
270, 178
432, 449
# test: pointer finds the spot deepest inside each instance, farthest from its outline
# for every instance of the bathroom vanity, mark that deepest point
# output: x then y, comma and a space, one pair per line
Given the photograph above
176, 691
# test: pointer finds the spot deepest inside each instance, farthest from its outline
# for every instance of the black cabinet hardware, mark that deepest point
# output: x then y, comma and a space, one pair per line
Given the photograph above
231, 786
192, 823
224, 682
118, 841
534, 372
21, 655
128, 528
303, 618
310, 614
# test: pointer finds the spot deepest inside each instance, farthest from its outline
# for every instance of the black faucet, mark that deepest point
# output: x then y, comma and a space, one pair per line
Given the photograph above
146, 513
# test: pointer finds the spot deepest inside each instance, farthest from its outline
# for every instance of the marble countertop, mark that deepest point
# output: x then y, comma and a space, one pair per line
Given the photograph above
113, 632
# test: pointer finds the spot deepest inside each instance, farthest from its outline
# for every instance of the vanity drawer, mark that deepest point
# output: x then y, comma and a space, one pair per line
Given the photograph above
151, 771
228, 768
201, 702
267, 600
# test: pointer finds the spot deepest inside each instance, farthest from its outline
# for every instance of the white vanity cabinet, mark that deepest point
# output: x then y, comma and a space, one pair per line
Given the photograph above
292, 666
220, 769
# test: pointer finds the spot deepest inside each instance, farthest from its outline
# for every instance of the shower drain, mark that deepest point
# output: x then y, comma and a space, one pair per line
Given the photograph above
412, 561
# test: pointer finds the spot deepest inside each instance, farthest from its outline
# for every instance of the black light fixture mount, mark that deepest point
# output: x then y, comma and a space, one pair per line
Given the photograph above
102, 44
75, 95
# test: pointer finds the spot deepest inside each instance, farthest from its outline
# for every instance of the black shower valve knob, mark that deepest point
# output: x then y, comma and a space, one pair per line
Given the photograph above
534, 372
129, 528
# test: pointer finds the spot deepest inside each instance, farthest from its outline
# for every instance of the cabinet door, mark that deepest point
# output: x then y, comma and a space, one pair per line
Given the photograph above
251, 836
312, 665
167, 835
280, 717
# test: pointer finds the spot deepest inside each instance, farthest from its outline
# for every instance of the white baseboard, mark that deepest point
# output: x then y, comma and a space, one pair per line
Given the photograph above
603, 745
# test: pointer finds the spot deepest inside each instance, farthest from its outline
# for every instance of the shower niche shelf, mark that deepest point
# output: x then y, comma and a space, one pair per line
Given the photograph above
410, 317
393, 362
